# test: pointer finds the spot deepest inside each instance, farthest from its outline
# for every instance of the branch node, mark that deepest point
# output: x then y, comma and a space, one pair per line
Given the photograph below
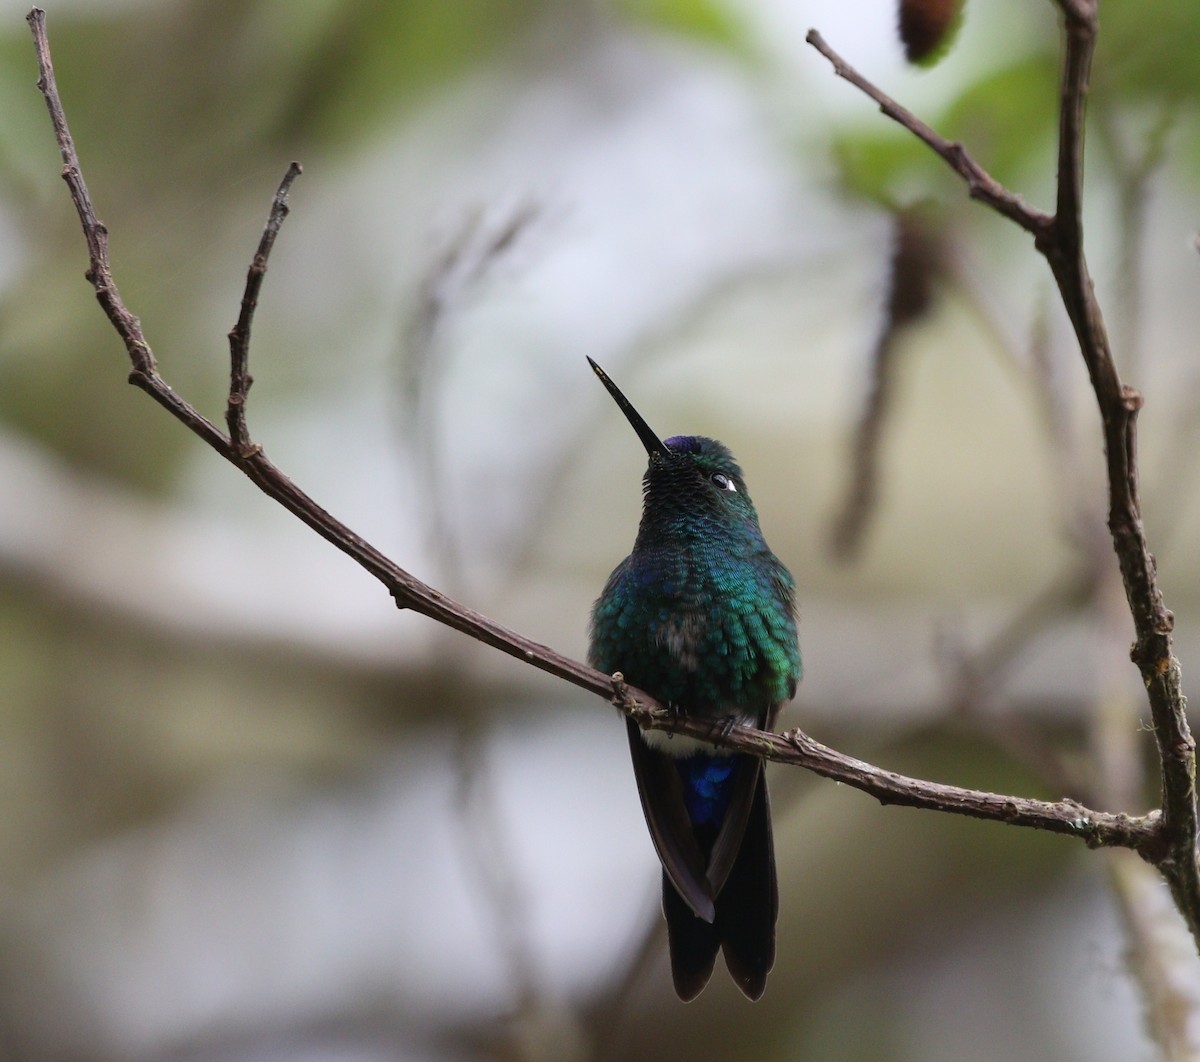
645, 715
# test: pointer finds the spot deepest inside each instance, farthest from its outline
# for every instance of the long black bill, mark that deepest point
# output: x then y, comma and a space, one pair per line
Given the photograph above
652, 443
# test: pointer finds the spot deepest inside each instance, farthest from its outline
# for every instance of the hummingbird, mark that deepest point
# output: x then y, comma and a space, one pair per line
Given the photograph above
701, 616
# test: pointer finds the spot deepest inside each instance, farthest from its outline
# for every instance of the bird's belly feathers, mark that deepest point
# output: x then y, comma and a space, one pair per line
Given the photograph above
713, 643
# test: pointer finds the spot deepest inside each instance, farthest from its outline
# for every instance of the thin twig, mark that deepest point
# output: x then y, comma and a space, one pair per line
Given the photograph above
486, 855
915, 266
1134, 170
980, 184
1160, 956
128, 327
239, 337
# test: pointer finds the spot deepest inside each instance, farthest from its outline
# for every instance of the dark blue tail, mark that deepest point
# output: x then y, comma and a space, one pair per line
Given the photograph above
747, 905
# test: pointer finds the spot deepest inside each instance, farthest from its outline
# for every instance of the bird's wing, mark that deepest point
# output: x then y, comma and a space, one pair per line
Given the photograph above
743, 783
670, 825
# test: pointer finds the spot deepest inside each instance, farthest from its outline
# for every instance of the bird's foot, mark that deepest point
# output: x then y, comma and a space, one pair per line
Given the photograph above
725, 725
620, 691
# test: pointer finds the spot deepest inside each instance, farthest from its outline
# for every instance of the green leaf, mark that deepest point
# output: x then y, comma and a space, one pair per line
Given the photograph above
1005, 119
1149, 49
877, 164
1008, 116
378, 55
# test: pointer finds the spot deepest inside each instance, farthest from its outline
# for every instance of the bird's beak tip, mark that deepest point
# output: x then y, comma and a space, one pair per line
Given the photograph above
653, 444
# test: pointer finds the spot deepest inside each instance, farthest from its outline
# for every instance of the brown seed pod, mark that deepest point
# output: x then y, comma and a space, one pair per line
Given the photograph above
927, 27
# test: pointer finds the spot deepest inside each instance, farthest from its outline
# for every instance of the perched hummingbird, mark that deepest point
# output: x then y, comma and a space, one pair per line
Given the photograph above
701, 615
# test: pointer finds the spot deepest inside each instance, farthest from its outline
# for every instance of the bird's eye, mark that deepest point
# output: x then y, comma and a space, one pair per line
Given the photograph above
722, 482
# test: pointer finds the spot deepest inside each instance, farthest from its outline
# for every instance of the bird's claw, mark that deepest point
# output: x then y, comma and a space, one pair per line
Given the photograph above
620, 694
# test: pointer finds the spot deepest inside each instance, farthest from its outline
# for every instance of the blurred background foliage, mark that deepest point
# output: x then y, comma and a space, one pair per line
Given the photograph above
249, 811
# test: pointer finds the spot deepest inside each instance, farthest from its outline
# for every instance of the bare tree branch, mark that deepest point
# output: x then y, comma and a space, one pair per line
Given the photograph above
981, 184
1144, 834
1059, 238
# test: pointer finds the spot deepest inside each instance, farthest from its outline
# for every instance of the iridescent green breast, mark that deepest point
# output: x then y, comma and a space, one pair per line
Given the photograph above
704, 630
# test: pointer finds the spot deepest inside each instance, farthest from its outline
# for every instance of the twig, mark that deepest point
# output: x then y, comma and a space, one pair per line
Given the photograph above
980, 184
1160, 955
463, 265
239, 337
1143, 834
489, 862
914, 267
1134, 169
99, 274
1059, 238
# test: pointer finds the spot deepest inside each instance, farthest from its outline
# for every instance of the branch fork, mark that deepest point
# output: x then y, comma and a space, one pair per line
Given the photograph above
1059, 238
